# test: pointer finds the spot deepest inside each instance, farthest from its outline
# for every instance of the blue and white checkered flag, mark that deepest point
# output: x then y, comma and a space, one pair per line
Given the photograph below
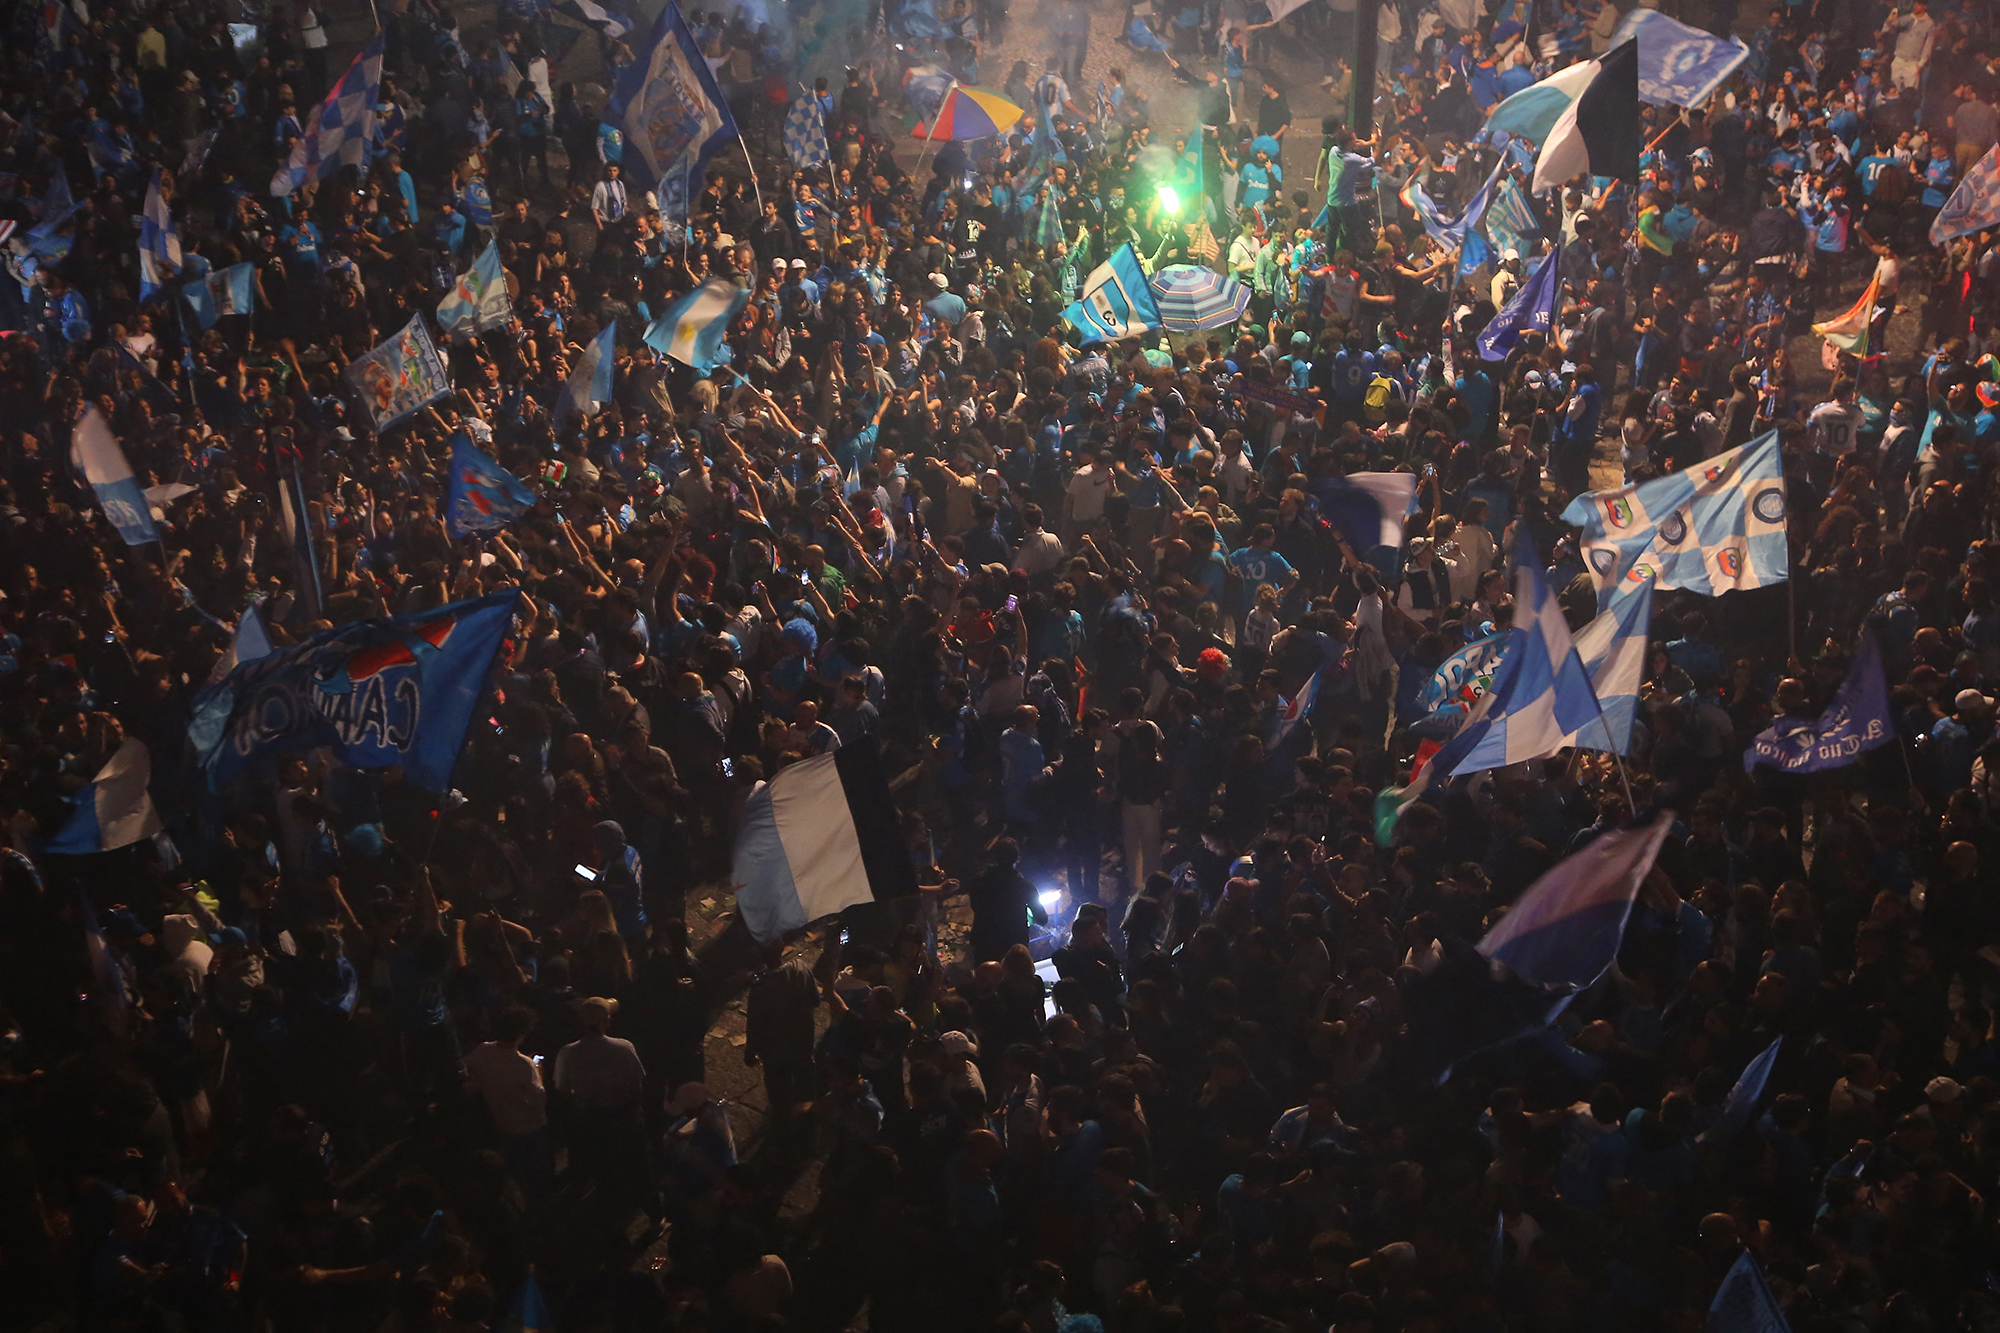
1716, 527
805, 133
1974, 205
341, 126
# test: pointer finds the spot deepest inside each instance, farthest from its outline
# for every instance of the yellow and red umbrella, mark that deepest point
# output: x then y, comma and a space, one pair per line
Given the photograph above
968, 113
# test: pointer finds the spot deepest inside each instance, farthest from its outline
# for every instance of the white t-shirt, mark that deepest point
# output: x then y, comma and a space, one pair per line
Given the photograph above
1834, 426
1087, 491
511, 1086
1040, 552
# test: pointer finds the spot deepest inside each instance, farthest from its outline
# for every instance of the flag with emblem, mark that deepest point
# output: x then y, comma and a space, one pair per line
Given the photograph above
340, 128
478, 301
400, 375
378, 692
691, 330
1117, 299
95, 452
1713, 528
483, 495
805, 133
1974, 205
159, 243
671, 113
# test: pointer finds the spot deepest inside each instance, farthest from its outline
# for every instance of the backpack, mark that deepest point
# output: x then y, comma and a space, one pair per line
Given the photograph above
1375, 402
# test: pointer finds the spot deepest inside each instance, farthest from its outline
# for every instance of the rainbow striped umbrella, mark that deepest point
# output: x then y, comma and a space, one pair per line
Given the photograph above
970, 114
1192, 298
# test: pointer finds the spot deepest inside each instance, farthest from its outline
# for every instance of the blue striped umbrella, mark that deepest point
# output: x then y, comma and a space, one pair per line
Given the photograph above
1192, 298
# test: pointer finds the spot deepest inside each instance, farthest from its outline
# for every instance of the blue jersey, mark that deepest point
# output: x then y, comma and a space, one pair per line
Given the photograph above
1260, 567
1352, 372
1870, 170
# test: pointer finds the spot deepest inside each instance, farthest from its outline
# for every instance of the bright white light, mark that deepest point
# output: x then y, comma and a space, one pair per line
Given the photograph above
1050, 898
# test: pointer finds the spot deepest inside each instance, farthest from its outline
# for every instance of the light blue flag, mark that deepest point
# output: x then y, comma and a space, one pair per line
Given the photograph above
95, 452
1613, 649
400, 375
478, 203
692, 329
222, 291
1117, 300
1534, 111
1744, 1304
1531, 309
483, 495
1974, 205
1741, 1104
159, 243
671, 114
478, 301
1510, 221
1461, 231
1713, 528
113, 809
805, 134
1296, 710
1678, 65
340, 128
1541, 694
590, 377
1565, 930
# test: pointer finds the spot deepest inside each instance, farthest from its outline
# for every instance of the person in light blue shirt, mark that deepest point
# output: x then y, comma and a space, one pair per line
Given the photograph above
1262, 567
1260, 181
1940, 175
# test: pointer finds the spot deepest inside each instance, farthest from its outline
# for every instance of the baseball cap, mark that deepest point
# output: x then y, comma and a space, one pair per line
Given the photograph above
1970, 700
778, 264
957, 1043
939, 281
1510, 253
1942, 1090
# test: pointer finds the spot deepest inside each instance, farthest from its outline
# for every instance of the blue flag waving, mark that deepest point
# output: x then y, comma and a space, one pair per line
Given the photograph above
1117, 300
113, 809
1713, 528
95, 451
1541, 694
671, 113
222, 291
692, 329
478, 301
1741, 1103
1744, 1304
805, 133
1532, 309
1678, 65
484, 495
590, 375
1856, 721
1565, 930
379, 692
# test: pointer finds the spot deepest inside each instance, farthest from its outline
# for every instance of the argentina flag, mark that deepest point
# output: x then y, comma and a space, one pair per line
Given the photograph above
1714, 528
1117, 300
692, 329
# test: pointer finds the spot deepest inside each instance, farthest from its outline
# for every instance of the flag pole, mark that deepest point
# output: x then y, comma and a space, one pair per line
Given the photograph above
751, 162
943, 102
1631, 806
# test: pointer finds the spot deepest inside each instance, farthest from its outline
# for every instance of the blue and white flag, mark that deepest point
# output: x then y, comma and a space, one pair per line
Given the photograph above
94, 450
1460, 681
113, 809
595, 15
1565, 930
1296, 710
692, 329
478, 203
340, 128
159, 243
671, 113
198, 151
109, 153
222, 291
1117, 300
400, 375
1744, 1303
1533, 112
1712, 528
1460, 232
820, 837
1741, 1104
250, 642
1613, 649
1368, 509
1541, 694
483, 495
478, 301
805, 134
1679, 65
1974, 205
1858, 720
380, 692
1531, 309
589, 380
530, 1313
1510, 219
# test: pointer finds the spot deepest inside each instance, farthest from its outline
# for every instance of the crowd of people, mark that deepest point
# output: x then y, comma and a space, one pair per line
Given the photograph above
1156, 1047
